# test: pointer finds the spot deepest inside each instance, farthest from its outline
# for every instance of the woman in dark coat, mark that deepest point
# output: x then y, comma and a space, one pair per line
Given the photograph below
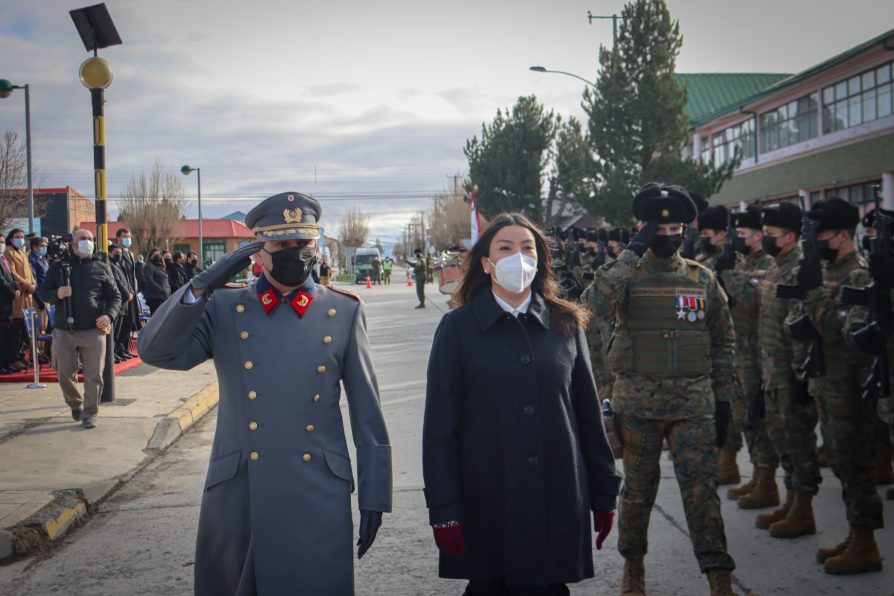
515, 456
156, 286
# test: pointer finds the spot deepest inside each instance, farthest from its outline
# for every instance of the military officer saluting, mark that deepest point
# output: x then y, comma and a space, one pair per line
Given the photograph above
672, 354
276, 510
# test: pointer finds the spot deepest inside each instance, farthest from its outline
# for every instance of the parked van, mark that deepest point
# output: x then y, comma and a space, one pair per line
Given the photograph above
363, 263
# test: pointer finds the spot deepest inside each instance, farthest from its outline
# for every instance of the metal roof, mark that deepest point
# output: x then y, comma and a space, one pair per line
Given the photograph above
710, 91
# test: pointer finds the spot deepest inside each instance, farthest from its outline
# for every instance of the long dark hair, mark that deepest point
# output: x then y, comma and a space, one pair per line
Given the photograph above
567, 315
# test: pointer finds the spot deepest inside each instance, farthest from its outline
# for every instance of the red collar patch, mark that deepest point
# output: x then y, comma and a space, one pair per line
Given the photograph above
269, 300
301, 302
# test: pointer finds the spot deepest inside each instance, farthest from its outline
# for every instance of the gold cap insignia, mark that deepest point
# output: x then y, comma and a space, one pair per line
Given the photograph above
291, 215
665, 213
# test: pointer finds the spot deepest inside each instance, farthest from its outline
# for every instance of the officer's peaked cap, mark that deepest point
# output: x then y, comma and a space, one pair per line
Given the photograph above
750, 218
834, 213
783, 215
714, 218
666, 203
286, 216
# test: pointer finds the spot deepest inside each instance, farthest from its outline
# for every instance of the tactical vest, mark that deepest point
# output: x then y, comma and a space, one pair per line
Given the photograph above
664, 331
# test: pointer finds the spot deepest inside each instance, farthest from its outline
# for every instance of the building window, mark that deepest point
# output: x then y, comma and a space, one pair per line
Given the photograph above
214, 249
725, 142
790, 123
857, 194
861, 98
706, 150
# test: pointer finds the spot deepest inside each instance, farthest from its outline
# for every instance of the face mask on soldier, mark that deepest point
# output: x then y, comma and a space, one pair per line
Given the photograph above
770, 246
707, 246
740, 245
664, 246
826, 252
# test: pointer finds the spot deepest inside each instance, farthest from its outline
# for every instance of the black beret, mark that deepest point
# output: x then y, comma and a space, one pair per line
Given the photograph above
286, 216
714, 218
783, 215
834, 213
667, 204
700, 202
750, 218
869, 218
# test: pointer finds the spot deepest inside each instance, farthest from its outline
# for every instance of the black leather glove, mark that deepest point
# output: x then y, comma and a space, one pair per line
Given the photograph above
223, 270
643, 239
868, 338
722, 413
370, 521
726, 260
881, 268
810, 275
800, 393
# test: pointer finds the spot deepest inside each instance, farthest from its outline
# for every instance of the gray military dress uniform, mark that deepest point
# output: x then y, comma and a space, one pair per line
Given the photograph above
276, 509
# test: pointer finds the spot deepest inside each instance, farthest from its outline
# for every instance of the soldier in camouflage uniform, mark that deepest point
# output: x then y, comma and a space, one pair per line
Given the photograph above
741, 283
712, 223
672, 353
790, 413
848, 420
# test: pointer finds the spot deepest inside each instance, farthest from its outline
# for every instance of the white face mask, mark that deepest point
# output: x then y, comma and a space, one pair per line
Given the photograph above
515, 272
85, 248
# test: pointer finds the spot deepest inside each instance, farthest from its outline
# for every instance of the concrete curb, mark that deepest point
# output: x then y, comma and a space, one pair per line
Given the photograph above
177, 422
70, 506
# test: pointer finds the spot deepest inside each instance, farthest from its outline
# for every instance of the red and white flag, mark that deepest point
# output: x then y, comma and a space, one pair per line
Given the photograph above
476, 223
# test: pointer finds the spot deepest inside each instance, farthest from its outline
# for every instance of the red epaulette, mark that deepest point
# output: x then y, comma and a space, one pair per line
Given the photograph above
344, 293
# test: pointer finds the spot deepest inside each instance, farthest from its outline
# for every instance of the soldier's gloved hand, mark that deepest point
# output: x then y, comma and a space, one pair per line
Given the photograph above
449, 538
726, 260
370, 522
722, 414
881, 268
644, 238
810, 275
868, 338
602, 525
217, 275
800, 393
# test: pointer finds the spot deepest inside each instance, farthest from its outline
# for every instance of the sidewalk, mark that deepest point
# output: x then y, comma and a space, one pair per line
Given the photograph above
55, 471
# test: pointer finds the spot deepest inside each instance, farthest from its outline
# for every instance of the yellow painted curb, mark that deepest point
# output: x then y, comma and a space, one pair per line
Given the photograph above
55, 527
196, 407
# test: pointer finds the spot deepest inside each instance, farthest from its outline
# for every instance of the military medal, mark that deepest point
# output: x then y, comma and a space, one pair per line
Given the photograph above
690, 307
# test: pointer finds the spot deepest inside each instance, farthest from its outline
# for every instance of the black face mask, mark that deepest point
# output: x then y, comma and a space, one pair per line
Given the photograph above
664, 246
707, 246
770, 246
115, 258
740, 246
825, 251
591, 251
611, 252
292, 265
156, 260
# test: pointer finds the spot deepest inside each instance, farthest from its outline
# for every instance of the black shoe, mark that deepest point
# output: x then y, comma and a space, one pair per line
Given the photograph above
128, 355
76, 414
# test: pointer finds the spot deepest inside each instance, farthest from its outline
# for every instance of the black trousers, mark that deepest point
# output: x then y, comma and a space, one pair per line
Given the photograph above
498, 587
123, 329
153, 304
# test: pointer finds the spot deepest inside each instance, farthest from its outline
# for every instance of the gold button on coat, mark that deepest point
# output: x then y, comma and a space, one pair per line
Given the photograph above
254, 456
306, 457
321, 369
327, 340
240, 308
317, 397
253, 425
252, 394
310, 428
248, 364
331, 312
244, 335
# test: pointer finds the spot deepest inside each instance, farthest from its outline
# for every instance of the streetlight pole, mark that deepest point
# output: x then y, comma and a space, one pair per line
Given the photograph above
562, 72
6, 89
186, 171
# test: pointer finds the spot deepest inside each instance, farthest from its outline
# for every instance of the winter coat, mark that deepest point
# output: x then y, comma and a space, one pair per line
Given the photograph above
155, 282
21, 271
94, 292
514, 445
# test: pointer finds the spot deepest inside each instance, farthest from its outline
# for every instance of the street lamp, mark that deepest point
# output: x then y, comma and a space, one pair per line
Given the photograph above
570, 74
6, 89
186, 170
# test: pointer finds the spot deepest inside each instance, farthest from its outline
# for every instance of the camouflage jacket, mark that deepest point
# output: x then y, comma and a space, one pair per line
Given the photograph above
857, 318
743, 286
776, 349
658, 397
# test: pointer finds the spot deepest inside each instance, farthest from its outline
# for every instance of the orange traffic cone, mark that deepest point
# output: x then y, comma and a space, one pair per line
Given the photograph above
409, 281
368, 282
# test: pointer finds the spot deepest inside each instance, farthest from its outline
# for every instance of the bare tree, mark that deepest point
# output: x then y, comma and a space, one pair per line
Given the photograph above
354, 227
450, 221
13, 179
152, 204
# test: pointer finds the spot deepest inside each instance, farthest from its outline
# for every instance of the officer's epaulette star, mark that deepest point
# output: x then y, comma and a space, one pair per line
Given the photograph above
344, 293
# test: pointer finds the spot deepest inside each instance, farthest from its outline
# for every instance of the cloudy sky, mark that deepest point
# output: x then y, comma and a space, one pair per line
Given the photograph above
366, 103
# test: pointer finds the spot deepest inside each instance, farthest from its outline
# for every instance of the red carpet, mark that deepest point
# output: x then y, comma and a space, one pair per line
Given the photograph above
48, 373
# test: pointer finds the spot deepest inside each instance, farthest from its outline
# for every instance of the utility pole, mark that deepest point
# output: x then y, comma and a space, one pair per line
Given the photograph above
614, 18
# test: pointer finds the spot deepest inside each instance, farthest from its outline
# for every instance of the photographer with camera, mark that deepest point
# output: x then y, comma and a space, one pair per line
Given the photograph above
88, 298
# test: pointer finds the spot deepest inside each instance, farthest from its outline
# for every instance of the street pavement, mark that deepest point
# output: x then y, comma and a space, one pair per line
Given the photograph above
140, 540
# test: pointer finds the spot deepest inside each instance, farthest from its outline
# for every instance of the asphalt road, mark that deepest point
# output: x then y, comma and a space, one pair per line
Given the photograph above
141, 540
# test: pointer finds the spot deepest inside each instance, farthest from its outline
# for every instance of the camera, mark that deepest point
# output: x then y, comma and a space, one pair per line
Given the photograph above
59, 247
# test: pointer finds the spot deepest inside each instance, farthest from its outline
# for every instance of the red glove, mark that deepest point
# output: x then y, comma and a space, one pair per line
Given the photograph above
602, 525
449, 538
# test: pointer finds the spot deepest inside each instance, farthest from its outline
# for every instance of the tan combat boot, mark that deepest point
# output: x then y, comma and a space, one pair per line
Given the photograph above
634, 581
884, 472
737, 491
799, 521
827, 553
860, 556
765, 520
765, 493
729, 469
720, 581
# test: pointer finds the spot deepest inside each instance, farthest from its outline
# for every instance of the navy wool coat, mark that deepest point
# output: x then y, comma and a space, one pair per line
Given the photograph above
514, 445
